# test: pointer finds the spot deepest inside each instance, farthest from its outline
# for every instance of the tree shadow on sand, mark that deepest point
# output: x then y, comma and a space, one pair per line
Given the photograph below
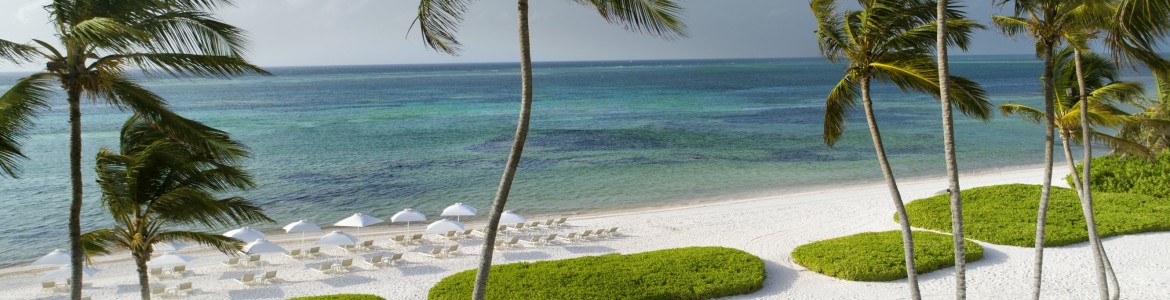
417, 269
525, 255
257, 293
589, 249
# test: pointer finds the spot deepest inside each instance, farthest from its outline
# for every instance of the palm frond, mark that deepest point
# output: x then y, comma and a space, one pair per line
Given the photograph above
1025, 112
16, 53
226, 245
438, 20
654, 17
1120, 144
830, 36
840, 102
190, 206
193, 32
23, 102
1138, 26
179, 64
1012, 26
98, 242
106, 33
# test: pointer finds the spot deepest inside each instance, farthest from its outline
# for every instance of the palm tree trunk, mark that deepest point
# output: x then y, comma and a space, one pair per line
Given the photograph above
1072, 165
143, 279
1046, 187
1086, 194
903, 219
944, 92
485, 259
77, 254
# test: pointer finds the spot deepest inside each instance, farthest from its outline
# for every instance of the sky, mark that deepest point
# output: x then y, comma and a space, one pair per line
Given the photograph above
373, 32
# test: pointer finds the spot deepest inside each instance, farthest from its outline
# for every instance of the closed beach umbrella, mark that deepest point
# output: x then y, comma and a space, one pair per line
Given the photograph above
358, 220
443, 226
509, 217
245, 234
459, 209
337, 238
408, 215
170, 259
66, 272
55, 257
170, 246
303, 227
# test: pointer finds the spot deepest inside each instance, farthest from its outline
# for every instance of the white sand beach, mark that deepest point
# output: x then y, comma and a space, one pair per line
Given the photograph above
769, 227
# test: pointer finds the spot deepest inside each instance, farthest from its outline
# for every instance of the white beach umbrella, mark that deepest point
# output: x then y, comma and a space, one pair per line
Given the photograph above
170, 246
509, 217
66, 272
408, 215
55, 257
459, 209
337, 238
443, 226
358, 220
303, 227
245, 234
170, 259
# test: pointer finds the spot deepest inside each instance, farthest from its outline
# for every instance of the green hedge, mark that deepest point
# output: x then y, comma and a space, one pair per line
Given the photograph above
878, 256
682, 273
341, 297
1006, 214
1130, 174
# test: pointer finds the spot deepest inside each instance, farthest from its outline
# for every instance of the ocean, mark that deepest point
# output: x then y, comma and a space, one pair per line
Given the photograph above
327, 142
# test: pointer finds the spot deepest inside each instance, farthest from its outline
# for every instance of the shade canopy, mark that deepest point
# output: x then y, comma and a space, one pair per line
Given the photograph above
170, 259
509, 217
170, 246
443, 226
358, 220
262, 246
337, 238
245, 234
66, 272
459, 209
302, 226
408, 215
55, 257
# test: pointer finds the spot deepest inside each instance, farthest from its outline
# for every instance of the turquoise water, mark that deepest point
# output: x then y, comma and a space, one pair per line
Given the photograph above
331, 141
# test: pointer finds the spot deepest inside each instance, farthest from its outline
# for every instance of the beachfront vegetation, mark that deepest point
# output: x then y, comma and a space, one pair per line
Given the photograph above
682, 273
877, 256
891, 41
158, 183
1130, 174
96, 44
438, 22
1001, 214
341, 297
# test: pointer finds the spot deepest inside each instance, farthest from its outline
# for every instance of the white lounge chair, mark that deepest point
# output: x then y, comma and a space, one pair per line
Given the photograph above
183, 289
550, 238
345, 265
325, 268
612, 232
50, 286
560, 222
467, 233
269, 277
157, 273
232, 262
436, 252
376, 261
368, 245
179, 271
400, 239
295, 253
572, 237
586, 235
394, 258
158, 290
452, 250
416, 238
247, 280
313, 251
254, 260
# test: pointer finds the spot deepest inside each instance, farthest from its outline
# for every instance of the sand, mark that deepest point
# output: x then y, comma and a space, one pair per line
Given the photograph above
769, 227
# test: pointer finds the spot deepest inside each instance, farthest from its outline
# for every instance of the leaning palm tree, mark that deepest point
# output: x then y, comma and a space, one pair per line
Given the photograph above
438, 21
99, 43
891, 41
944, 96
158, 183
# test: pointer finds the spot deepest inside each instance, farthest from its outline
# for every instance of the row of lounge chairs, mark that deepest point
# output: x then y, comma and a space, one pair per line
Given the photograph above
161, 291
572, 237
251, 279
176, 271
346, 265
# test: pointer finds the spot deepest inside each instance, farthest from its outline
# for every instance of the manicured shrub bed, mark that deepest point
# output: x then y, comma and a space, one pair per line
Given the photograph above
1134, 175
341, 297
878, 256
682, 273
1006, 214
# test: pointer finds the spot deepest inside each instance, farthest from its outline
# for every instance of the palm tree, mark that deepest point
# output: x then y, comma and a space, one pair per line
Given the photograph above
891, 40
944, 96
438, 21
1153, 128
157, 182
99, 43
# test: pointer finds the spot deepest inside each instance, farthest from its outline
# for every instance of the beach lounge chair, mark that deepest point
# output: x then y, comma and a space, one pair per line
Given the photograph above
157, 273
512, 242
572, 237
232, 262
183, 289
376, 261
269, 277
158, 291
600, 233
294, 253
394, 258
520, 227
345, 265
313, 251
400, 239
452, 250
254, 260
586, 235
467, 233
549, 223
348, 248
368, 245
247, 280
550, 238
535, 241
612, 232
416, 238
436, 252
560, 221
179, 271
325, 268
51, 287
534, 225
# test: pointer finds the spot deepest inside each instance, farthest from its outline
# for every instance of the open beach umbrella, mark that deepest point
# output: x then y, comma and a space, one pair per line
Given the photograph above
55, 257
358, 220
459, 209
303, 227
337, 238
443, 226
66, 272
509, 217
260, 246
245, 234
170, 246
170, 259
408, 215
